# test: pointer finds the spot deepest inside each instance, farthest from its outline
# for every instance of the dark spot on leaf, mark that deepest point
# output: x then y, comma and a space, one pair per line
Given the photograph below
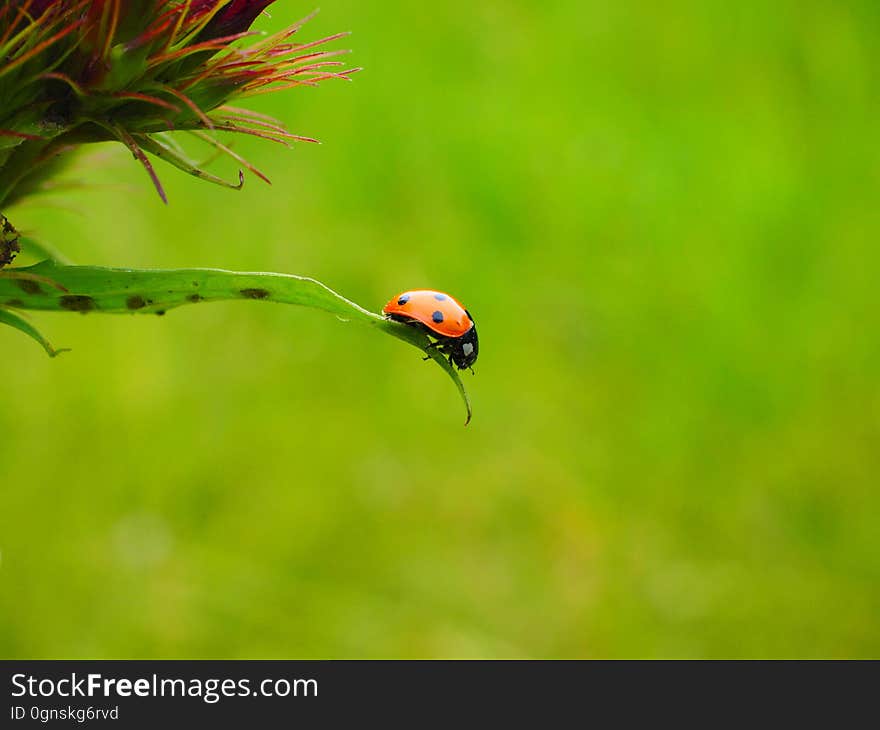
255, 293
194, 298
161, 313
14, 303
135, 302
29, 287
77, 303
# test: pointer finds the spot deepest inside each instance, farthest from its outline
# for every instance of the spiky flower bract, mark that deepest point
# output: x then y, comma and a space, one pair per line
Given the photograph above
73, 72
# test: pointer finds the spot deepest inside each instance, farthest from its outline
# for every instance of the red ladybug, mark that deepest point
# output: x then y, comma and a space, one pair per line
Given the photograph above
440, 316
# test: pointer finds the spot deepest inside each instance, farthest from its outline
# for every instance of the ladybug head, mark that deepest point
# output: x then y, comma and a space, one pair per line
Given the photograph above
464, 349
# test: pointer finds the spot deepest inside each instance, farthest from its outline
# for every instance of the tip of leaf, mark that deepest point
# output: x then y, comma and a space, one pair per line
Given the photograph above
16, 322
451, 371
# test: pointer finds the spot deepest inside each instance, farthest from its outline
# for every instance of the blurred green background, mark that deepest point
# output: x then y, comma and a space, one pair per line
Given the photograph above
664, 218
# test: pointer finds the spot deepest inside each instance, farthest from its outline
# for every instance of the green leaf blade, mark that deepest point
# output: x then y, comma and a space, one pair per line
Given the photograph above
50, 286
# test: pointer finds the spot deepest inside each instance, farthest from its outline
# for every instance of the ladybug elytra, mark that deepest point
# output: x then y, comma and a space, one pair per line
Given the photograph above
441, 317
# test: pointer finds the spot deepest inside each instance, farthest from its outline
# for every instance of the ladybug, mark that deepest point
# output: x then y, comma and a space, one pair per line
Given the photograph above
441, 317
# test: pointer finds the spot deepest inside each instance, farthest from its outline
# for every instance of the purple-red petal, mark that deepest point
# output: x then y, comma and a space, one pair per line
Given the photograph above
235, 17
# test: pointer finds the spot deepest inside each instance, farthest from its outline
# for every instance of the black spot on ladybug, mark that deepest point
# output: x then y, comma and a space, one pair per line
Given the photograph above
194, 298
254, 293
404, 299
440, 297
29, 287
437, 316
135, 302
77, 303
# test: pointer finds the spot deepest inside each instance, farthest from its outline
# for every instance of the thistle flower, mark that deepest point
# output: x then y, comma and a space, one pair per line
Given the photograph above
73, 72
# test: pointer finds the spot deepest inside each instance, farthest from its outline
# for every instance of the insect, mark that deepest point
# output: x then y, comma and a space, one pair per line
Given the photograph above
441, 317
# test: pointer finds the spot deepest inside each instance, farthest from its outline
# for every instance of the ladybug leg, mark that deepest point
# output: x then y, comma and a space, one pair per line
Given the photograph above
431, 346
